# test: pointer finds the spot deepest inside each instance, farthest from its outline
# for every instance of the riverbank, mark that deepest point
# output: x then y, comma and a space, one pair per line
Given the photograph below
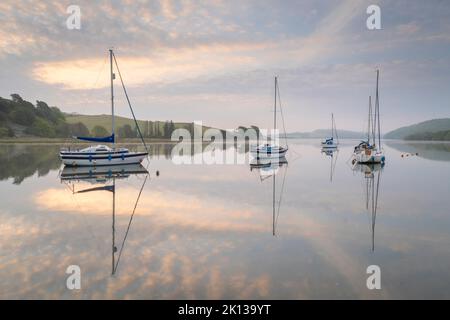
73, 141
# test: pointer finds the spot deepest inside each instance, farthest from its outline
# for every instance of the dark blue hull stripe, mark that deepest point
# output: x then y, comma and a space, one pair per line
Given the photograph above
91, 153
104, 157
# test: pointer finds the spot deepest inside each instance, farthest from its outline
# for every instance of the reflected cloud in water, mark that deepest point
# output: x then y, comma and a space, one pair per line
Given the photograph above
207, 231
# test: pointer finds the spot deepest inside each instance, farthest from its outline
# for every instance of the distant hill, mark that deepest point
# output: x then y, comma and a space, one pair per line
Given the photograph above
430, 136
420, 131
322, 133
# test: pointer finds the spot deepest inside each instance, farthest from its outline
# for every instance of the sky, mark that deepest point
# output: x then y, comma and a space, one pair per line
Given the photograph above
215, 61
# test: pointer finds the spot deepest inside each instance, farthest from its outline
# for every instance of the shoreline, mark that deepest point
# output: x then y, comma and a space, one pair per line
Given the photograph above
34, 140
72, 141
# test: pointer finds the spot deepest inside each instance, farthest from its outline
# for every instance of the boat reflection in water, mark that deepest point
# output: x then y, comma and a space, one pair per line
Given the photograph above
372, 178
104, 179
269, 168
332, 153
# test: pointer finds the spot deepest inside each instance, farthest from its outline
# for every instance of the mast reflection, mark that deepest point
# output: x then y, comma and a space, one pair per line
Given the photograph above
372, 178
104, 179
333, 155
269, 168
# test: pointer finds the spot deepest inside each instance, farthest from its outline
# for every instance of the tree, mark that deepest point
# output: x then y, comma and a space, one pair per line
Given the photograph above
172, 129
6, 106
150, 129
41, 128
58, 114
22, 116
78, 129
166, 129
256, 130
126, 132
3, 116
62, 129
18, 101
16, 98
99, 131
157, 131
6, 132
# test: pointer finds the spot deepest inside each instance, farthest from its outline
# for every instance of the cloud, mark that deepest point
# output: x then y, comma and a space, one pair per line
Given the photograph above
179, 55
166, 66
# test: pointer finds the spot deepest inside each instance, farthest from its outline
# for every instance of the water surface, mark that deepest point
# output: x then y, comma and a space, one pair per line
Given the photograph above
216, 231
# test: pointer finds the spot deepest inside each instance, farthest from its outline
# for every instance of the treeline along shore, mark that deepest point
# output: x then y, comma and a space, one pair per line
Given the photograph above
23, 121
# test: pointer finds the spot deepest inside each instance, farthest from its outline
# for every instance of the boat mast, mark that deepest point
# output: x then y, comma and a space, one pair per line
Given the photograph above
273, 204
377, 109
275, 109
370, 119
112, 93
332, 126
335, 131
373, 123
113, 227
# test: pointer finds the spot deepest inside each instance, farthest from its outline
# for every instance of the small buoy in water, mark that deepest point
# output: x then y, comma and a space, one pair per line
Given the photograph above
157, 173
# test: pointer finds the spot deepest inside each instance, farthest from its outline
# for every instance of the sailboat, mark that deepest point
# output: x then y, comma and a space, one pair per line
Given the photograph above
367, 151
330, 143
272, 150
103, 155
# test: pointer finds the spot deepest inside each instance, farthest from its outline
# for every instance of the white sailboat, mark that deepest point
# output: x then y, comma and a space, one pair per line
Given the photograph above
367, 151
271, 150
103, 155
330, 142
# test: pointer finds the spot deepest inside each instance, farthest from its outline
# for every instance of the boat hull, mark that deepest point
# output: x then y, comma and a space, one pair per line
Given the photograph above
268, 152
363, 157
329, 146
110, 159
269, 155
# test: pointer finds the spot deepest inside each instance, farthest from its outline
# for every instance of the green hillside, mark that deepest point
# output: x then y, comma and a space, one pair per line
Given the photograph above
420, 129
22, 119
19, 118
149, 129
104, 120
